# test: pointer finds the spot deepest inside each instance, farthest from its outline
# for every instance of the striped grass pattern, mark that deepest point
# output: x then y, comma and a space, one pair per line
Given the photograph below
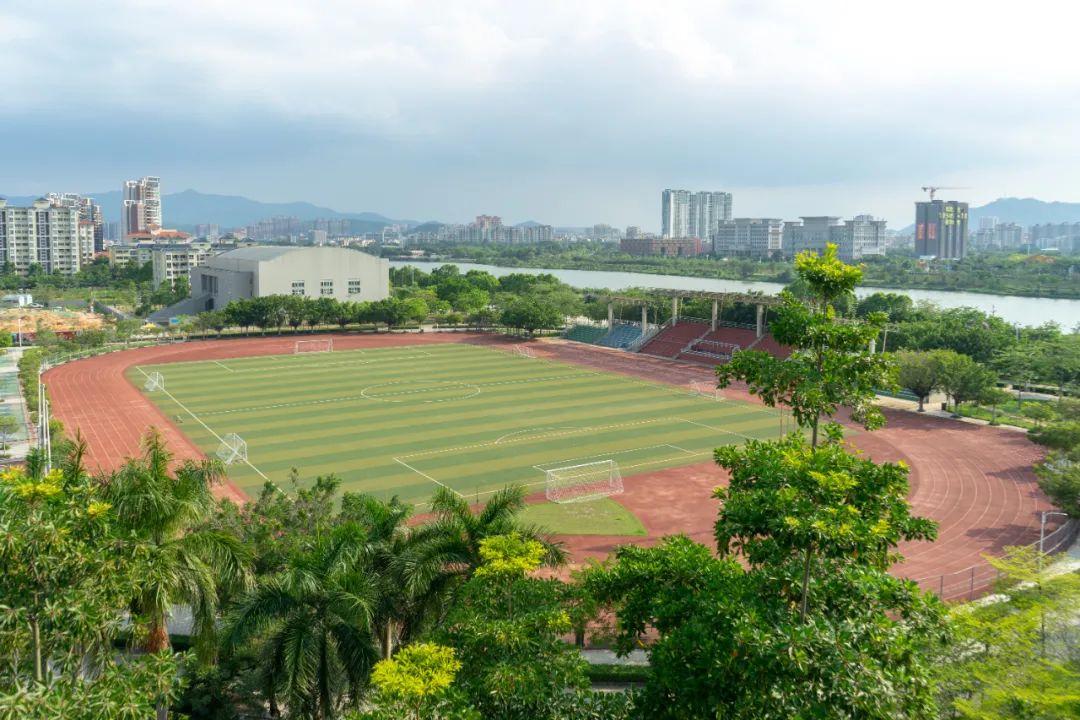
404, 420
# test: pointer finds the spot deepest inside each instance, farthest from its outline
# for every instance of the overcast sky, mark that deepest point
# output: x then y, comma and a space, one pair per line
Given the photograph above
564, 112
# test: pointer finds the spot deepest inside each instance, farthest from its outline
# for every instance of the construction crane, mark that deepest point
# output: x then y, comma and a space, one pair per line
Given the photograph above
932, 189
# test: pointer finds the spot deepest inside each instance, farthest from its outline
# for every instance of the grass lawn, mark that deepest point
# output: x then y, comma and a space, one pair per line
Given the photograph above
594, 517
405, 420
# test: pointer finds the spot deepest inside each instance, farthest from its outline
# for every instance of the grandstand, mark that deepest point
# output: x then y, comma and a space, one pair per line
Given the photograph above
621, 335
674, 339
585, 333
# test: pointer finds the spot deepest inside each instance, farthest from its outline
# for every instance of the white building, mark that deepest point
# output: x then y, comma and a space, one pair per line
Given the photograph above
854, 239
175, 261
41, 235
749, 237
684, 213
337, 272
141, 206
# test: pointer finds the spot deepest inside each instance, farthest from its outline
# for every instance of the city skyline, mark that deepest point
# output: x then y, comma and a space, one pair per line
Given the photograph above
439, 112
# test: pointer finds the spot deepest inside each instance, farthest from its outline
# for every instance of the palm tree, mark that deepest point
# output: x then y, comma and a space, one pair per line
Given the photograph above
446, 551
161, 513
388, 540
313, 621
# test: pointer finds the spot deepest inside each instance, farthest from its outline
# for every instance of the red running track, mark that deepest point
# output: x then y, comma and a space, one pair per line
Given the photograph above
975, 481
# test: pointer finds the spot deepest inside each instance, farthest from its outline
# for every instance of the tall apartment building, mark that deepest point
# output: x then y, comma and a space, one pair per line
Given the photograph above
998, 235
89, 211
684, 213
140, 209
941, 228
854, 239
749, 237
1063, 236
42, 234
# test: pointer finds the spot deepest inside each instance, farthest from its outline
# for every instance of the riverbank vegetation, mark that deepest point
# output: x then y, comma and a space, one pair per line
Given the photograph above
1033, 275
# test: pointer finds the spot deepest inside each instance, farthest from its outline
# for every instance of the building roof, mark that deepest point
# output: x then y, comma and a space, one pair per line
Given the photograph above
260, 252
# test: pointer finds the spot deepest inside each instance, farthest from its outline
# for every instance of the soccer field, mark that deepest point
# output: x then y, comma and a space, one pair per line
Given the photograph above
404, 420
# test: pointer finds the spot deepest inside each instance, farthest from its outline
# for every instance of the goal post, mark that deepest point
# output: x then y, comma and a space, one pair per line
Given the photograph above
232, 449
705, 388
523, 351
317, 345
579, 483
154, 381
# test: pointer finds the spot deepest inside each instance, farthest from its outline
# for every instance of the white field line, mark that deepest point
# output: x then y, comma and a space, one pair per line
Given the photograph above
533, 437
346, 398
536, 429
222, 366
199, 420
424, 474
710, 427
606, 456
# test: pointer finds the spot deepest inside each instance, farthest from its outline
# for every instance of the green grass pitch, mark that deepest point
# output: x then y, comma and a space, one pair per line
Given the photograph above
403, 420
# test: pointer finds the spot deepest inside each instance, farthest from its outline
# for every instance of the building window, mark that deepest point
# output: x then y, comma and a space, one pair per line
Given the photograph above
354, 286
297, 287
326, 287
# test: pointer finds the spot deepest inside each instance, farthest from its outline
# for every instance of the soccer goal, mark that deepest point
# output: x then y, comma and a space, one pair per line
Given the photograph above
154, 381
705, 388
232, 449
523, 351
577, 483
320, 345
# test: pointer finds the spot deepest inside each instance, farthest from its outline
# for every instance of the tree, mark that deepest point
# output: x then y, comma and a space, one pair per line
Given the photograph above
918, 372
831, 364
507, 628
961, 378
65, 583
312, 624
448, 547
1059, 478
161, 514
994, 397
531, 316
1017, 365
1058, 361
8, 427
789, 505
1016, 657
416, 685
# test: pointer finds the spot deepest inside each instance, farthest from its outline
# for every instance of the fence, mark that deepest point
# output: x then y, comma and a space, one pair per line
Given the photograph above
969, 583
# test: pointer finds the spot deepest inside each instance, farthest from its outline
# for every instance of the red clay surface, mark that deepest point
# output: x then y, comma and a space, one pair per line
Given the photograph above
975, 481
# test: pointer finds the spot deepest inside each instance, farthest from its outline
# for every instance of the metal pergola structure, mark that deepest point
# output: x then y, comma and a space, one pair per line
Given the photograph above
719, 299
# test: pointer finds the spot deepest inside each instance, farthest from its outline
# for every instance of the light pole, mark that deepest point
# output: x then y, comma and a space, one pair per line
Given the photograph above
1042, 527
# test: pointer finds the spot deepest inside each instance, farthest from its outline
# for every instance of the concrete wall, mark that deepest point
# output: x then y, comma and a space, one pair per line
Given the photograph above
240, 277
314, 266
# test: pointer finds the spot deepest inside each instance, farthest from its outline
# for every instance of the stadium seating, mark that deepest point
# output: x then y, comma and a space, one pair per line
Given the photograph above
621, 335
672, 340
585, 333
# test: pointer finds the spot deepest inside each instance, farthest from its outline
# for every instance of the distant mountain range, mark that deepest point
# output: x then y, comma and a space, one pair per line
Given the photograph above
1025, 211
190, 207
1022, 211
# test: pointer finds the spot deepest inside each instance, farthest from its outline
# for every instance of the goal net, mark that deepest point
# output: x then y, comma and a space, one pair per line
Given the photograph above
154, 381
232, 449
577, 483
705, 388
320, 345
523, 351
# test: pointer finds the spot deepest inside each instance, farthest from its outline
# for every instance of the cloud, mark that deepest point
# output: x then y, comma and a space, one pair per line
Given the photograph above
539, 108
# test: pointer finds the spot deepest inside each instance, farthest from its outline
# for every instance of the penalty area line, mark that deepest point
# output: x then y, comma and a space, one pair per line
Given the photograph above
424, 474
197, 419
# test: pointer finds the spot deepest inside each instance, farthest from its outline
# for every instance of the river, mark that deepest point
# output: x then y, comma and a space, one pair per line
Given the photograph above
1012, 308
